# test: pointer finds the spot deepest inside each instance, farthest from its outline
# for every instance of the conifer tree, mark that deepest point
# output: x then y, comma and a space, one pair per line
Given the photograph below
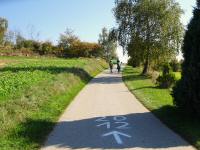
187, 91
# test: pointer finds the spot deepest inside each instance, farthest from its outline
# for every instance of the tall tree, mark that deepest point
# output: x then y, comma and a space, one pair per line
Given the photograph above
108, 44
3, 29
149, 23
67, 39
187, 91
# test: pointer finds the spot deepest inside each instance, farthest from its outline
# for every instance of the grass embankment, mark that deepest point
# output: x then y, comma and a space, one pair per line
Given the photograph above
160, 102
33, 94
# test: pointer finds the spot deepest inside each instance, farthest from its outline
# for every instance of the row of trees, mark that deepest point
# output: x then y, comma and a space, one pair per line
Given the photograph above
69, 45
150, 30
152, 34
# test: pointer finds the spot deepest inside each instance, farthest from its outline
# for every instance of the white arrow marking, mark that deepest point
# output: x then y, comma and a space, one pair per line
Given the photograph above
106, 123
116, 135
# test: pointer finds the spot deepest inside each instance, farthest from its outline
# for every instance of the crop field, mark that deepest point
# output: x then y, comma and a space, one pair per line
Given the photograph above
33, 94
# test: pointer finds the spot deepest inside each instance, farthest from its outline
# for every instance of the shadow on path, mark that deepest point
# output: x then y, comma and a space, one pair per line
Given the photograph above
107, 80
145, 131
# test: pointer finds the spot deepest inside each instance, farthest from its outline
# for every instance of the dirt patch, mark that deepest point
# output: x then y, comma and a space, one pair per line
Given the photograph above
4, 62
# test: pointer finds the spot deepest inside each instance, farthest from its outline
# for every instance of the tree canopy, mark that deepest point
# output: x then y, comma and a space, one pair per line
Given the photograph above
3, 29
150, 30
108, 44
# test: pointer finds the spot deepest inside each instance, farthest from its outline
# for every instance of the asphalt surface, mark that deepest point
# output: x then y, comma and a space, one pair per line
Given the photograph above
105, 115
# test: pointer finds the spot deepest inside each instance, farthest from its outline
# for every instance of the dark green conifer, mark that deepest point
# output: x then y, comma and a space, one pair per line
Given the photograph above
187, 91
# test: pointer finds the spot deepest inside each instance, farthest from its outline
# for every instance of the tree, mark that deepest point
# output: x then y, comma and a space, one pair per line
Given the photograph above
19, 40
72, 46
108, 44
186, 92
145, 28
46, 48
67, 39
3, 29
9, 38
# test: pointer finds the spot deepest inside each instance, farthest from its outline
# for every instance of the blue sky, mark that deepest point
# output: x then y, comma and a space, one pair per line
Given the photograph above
52, 17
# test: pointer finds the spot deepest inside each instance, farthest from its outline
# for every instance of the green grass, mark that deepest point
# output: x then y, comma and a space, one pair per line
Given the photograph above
160, 102
33, 94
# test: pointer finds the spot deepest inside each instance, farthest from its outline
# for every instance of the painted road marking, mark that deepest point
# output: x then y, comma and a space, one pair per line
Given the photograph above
117, 135
106, 123
119, 123
124, 125
102, 119
119, 118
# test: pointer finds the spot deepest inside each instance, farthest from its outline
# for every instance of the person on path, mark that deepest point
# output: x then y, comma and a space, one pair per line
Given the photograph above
111, 66
118, 66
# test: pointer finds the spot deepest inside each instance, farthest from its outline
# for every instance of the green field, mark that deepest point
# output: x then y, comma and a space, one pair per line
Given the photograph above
160, 102
33, 94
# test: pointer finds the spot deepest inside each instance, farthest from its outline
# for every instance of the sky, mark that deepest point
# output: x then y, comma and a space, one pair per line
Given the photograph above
50, 18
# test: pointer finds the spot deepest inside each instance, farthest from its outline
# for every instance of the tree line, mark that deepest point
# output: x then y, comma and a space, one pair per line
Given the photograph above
151, 32
69, 45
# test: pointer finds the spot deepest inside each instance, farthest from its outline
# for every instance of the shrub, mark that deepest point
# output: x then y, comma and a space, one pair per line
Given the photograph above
46, 48
133, 62
175, 65
167, 79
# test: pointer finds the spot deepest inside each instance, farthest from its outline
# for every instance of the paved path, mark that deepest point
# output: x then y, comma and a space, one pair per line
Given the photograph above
105, 115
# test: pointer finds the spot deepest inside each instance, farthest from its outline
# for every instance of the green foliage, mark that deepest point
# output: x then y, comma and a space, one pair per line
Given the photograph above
135, 50
69, 46
108, 43
19, 41
133, 62
72, 46
146, 31
167, 79
33, 94
3, 29
67, 39
175, 65
32, 45
186, 92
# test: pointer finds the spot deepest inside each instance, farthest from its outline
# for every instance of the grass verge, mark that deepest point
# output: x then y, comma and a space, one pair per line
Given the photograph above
33, 94
160, 102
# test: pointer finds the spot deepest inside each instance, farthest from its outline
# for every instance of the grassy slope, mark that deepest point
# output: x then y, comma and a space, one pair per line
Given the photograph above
160, 102
33, 94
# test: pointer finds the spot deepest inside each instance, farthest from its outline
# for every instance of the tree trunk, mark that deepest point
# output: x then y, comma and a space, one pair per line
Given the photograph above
146, 67
147, 61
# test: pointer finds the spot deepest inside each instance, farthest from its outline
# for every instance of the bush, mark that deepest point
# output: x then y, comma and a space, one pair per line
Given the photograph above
133, 62
175, 65
46, 48
167, 79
